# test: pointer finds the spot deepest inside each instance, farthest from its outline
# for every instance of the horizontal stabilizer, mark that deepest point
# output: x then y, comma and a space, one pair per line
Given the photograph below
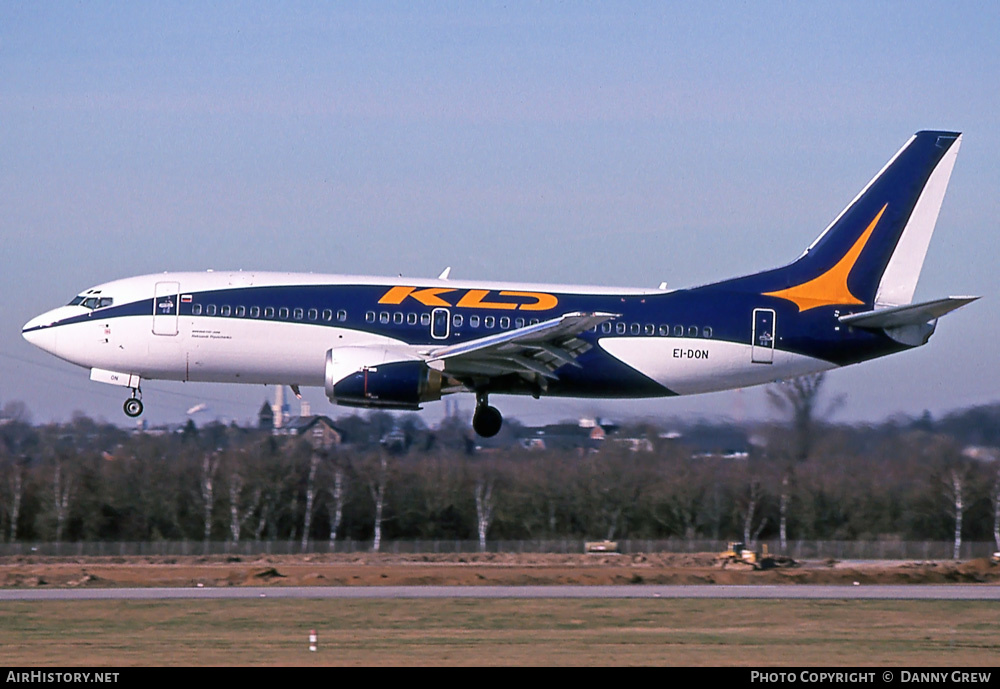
911, 314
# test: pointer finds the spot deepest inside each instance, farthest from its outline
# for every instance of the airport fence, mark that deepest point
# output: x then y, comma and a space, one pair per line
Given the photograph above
799, 550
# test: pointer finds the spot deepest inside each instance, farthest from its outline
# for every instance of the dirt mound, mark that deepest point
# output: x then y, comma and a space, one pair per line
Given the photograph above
469, 569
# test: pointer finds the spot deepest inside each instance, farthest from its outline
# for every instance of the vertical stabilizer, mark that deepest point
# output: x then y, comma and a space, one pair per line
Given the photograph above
900, 277
872, 253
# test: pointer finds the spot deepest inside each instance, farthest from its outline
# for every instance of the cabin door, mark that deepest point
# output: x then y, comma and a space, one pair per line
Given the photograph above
762, 345
166, 306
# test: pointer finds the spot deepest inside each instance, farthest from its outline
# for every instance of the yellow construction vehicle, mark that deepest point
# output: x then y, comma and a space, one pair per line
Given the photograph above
738, 554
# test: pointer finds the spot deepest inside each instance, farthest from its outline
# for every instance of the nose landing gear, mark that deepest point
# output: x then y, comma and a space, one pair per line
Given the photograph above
133, 405
487, 420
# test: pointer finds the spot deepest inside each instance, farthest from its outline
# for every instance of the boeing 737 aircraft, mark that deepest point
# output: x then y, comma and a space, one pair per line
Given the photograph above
396, 343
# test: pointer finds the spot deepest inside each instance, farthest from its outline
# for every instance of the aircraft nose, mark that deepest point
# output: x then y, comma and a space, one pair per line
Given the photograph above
39, 332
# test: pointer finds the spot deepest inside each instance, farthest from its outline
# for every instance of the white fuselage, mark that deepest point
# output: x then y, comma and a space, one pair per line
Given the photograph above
225, 349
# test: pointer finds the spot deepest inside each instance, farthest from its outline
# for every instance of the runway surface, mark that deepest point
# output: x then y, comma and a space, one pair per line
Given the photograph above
783, 592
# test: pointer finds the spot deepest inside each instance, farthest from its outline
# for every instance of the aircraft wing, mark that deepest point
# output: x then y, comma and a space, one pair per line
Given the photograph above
534, 351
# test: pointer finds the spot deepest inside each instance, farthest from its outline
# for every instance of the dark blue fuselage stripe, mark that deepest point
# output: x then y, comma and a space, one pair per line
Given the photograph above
814, 333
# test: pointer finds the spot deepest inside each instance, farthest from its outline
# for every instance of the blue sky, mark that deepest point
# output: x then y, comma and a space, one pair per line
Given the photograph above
603, 143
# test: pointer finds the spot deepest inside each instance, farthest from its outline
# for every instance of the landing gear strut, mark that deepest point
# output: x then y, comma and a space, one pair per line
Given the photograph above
487, 420
133, 405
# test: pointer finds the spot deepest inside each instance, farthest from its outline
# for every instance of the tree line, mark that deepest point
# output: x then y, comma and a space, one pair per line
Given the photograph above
910, 479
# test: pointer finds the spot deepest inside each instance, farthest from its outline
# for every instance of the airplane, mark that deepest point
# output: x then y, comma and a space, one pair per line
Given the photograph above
395, 343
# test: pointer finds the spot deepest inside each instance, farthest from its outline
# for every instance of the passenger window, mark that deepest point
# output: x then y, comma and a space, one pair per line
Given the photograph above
341, 315
664, 330
678, 331
297, 314
692, 331
473, 321
504, 322
411, 319
706, 331
241, 311
369, 316
425, 319
210, 310
490, 321
397, 317
313, 314
456, 320
196, 309
606, 327
327, 315
519, 323
268, 312
254, 312
620, 328
283, 313
225, 310
650, 329
534, 321
635, 328
383, 317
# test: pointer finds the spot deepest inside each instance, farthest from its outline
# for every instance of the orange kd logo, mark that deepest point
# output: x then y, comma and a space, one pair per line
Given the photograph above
471, 299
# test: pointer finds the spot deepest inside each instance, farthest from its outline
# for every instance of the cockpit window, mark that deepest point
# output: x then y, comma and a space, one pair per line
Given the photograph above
92, 302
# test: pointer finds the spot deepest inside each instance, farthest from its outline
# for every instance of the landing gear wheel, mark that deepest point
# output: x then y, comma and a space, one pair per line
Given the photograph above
133, 407
487, 421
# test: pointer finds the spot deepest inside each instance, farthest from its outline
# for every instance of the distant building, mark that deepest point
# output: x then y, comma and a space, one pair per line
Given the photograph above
719, 442
394, 441
585, 436
318, 430
265, 417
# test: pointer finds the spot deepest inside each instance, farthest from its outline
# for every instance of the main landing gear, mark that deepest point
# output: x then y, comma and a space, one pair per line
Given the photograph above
487, 420
133, 405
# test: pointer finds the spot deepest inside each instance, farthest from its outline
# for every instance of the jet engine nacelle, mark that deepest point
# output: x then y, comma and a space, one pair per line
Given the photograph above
367, 377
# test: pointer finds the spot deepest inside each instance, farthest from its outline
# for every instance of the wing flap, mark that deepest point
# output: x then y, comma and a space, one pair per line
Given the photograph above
534, 351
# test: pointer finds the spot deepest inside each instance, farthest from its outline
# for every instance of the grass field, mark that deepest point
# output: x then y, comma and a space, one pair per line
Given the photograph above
500, 632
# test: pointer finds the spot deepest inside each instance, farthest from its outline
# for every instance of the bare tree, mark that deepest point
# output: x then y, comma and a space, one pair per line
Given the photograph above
17, 439
235, 518
240, 509
209, 466
16, 411
484, 508
271, 474
378, 480
62, 487
314, 461
265, 504
799, 398
955, 486
995, 497
13, 494
336, 503
753, 502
